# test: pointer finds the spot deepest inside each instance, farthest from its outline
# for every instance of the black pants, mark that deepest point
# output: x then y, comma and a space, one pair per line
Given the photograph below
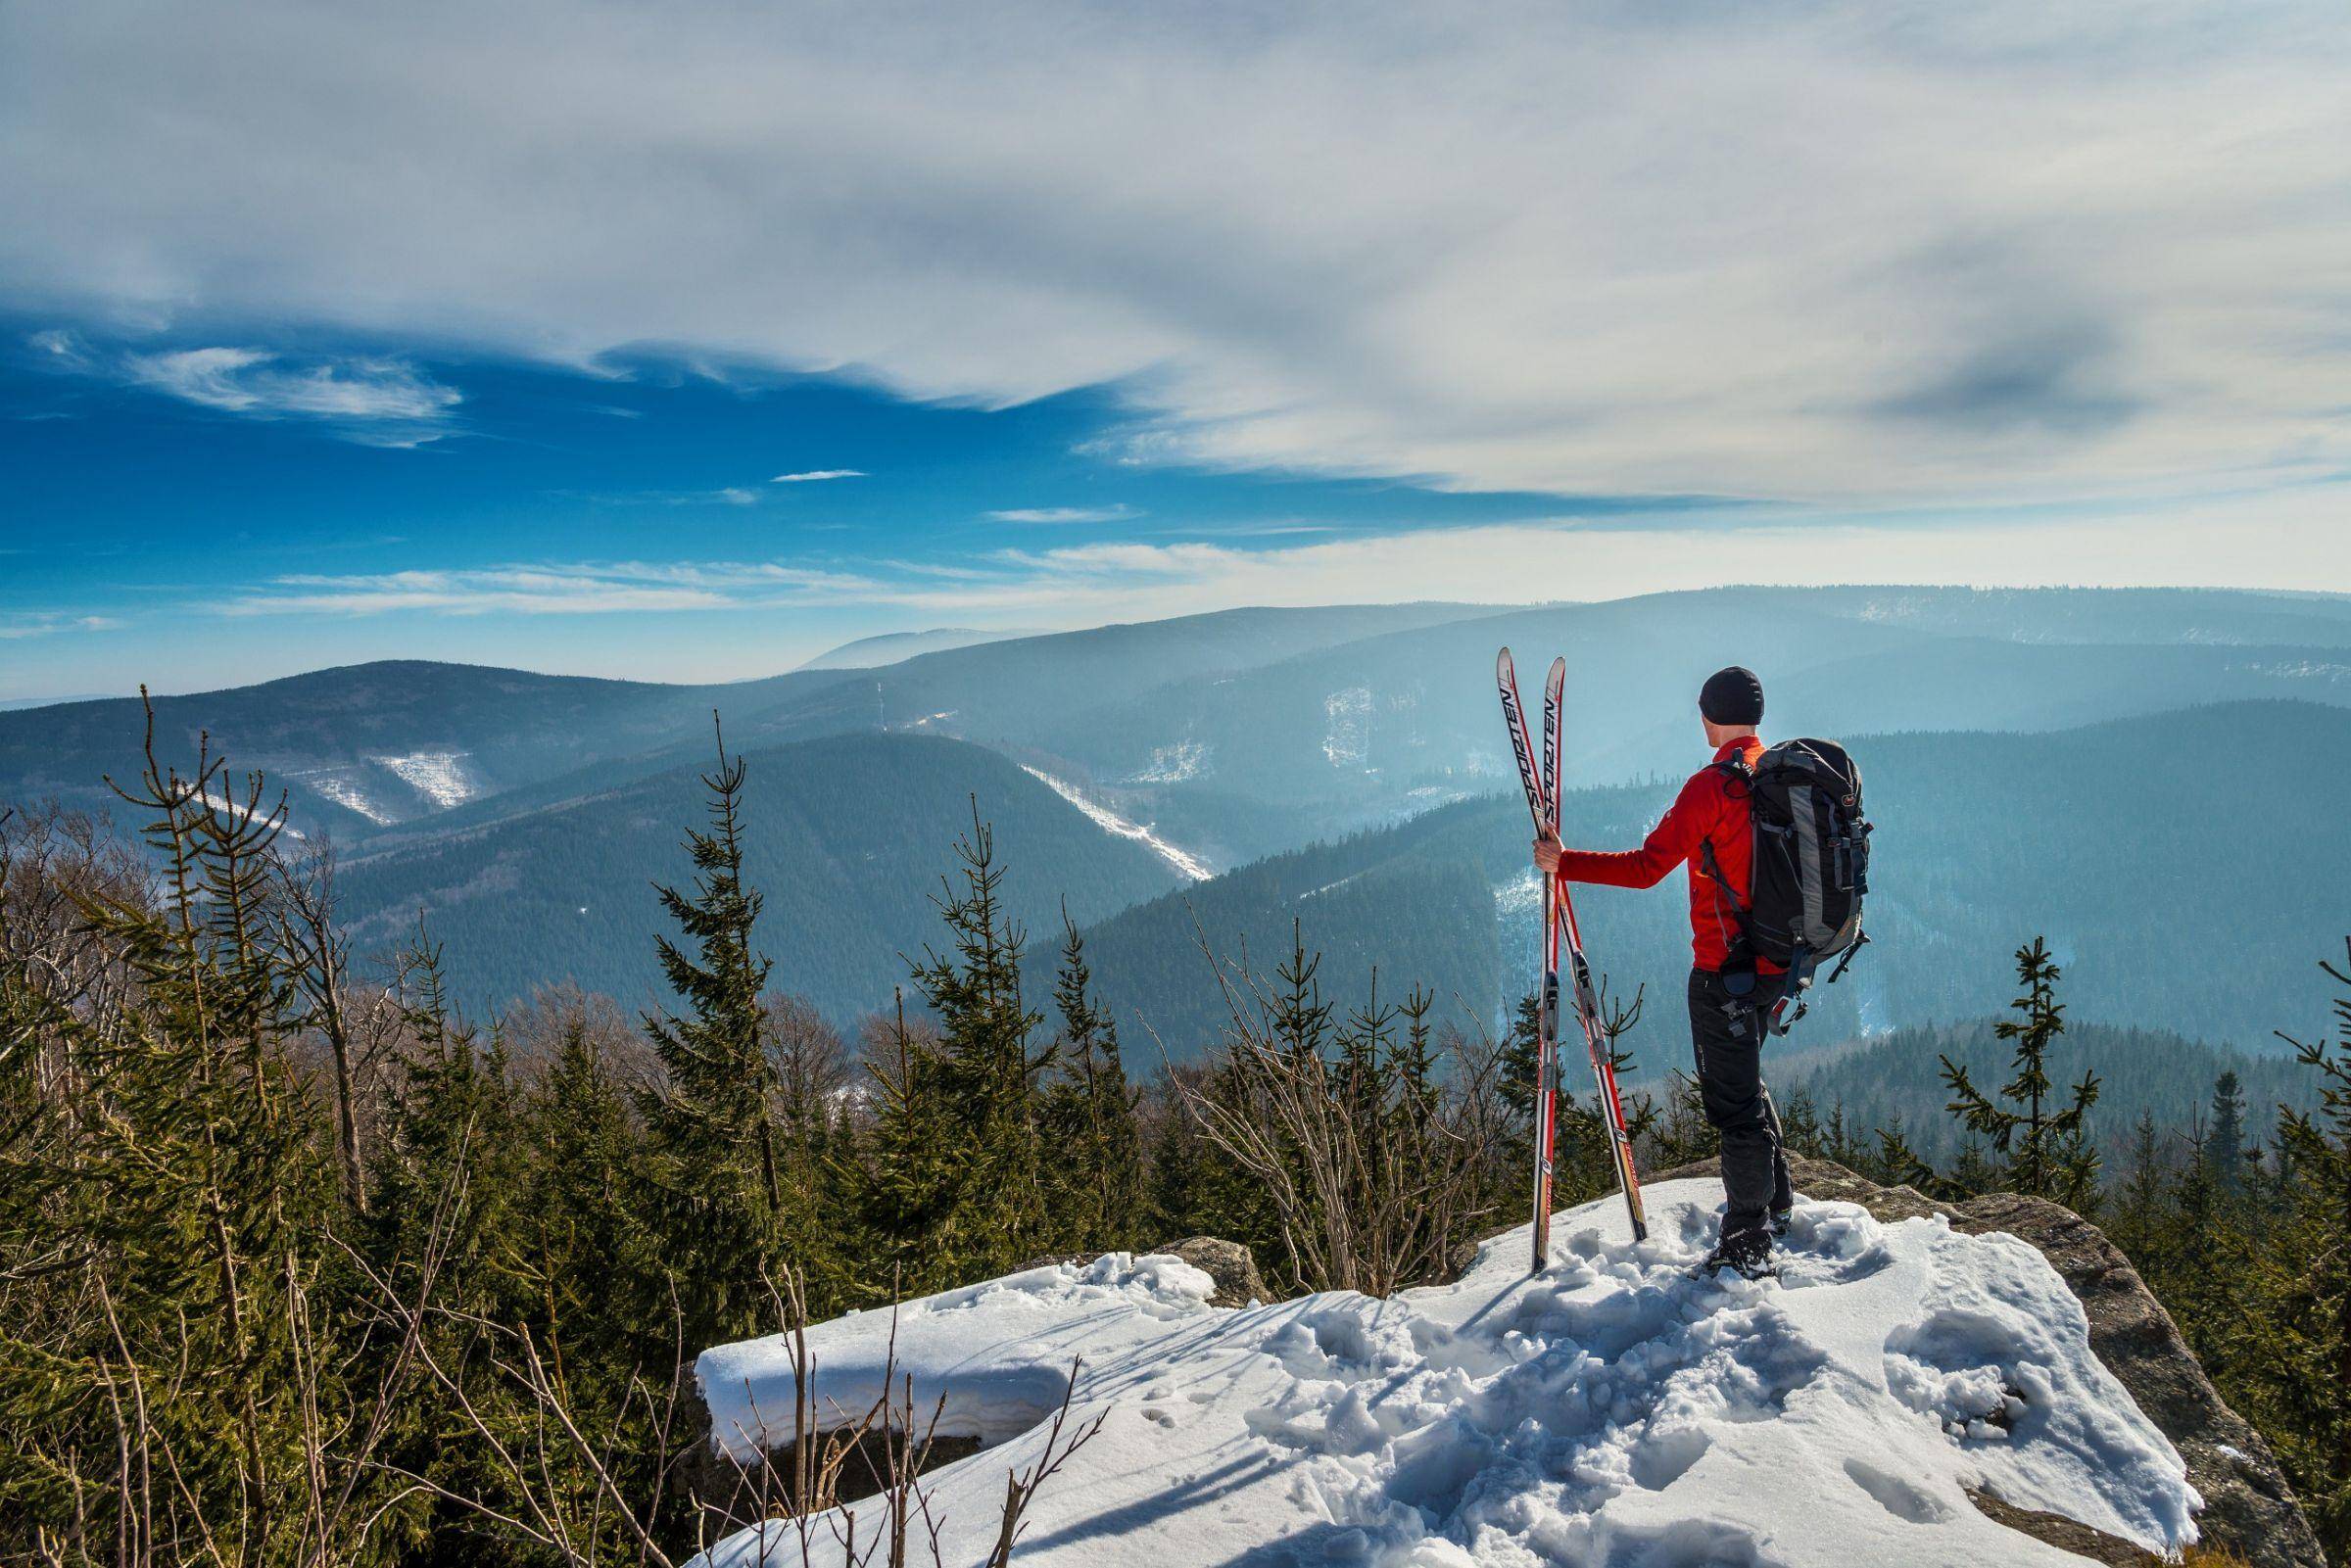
1730, 1080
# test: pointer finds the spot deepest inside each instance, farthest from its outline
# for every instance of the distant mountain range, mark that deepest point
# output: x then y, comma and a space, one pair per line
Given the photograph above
847, 838
897, 648
2186, 869
1306, 753
1874, 1081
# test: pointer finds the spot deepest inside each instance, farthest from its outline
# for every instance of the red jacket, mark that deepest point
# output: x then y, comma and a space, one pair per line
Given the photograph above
1712, 809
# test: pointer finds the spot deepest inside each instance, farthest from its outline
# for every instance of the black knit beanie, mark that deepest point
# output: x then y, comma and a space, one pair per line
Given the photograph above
1732, 697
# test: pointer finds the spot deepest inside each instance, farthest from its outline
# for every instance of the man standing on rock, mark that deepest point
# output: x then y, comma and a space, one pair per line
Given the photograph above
1709, 830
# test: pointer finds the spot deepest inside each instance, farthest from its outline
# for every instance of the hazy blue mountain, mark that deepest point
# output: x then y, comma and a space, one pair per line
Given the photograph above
362, 746
1246, 733
1386, 724
1015, 691
2127, 615
897, 648
14, 704
2186, 868
847, 837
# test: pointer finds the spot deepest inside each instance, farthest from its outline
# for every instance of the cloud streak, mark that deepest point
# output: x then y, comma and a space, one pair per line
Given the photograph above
551, 589
47, 623
2302, 538
815, 476
1830, 252
1064, 514
374, 400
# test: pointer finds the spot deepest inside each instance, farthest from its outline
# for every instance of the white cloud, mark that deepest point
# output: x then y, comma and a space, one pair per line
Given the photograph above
817, 475
1064, 514
558, 588
1828, 251
43, 623
2298, 540
60, 349
378, 401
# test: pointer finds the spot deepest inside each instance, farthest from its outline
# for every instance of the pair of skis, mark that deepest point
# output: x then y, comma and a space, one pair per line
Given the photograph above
1541, 779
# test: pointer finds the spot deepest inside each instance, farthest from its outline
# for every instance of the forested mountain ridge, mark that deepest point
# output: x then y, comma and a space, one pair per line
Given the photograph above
1897, 1081
846, 838
2108, 839
1368, 731
1242, 733
361, 747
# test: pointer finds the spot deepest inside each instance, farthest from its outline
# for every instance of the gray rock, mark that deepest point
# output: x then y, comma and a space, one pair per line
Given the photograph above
2248, 1507
1228, 1264
2066, 1535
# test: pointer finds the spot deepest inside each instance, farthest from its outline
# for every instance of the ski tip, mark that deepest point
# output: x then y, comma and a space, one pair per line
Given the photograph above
1558, 670
1502, 661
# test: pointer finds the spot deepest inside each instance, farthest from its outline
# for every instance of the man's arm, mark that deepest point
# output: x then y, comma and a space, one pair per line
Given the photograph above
1673, 840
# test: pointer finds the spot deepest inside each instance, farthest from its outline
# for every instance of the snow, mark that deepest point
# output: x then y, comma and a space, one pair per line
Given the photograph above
1612, 1410
345, 791
2333, 674
228, 806
1347, 726
1174, 764
435, 774
1186, 864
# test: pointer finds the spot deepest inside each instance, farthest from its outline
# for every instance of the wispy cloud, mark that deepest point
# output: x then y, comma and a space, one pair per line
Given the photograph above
2300, 538
814, 476
720, 495
1064, 514
45, 623
557, 588
60, 348
2081, 251
382, 402
372, 400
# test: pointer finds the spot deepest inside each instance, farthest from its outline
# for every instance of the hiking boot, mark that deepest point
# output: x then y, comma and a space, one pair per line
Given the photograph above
1781, 1219
1746, 1253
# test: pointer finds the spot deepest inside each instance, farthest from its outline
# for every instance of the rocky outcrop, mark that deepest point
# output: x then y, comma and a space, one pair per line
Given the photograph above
1229, 1263
2248, 1507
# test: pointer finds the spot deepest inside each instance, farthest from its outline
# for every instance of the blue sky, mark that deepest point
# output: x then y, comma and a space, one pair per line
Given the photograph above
331, 331
194, 512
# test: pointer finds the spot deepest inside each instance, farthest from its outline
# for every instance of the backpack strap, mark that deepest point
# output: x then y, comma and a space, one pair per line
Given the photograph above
1733, 768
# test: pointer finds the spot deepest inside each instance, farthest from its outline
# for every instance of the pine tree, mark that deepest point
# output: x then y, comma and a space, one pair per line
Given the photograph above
2226, 1146
1895, 1164
808, 1067
2301, 1300
2139, 1222
585, 1237
998, 1215
1090, 1112
715, 1186
1800, 1131
910, 1168
2048, 1151
1515, 1084
165, 1190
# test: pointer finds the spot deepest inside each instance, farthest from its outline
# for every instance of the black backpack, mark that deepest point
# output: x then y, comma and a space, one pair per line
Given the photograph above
1811, 869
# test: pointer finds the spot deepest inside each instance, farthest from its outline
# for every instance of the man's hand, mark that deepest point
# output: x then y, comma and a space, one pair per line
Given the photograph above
1547, 852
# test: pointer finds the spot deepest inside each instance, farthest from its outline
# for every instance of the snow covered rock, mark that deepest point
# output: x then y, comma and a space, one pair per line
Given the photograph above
1613, 1409
2248, 1507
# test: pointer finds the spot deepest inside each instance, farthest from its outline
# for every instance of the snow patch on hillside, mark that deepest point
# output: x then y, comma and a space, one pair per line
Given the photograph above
1186, 864
437, 776
1610, 1410
345, 791
2325, 670
1174, 764
1347, 726
263, 810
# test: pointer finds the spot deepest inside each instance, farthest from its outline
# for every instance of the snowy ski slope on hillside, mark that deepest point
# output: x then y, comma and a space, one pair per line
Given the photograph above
1612, 1412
